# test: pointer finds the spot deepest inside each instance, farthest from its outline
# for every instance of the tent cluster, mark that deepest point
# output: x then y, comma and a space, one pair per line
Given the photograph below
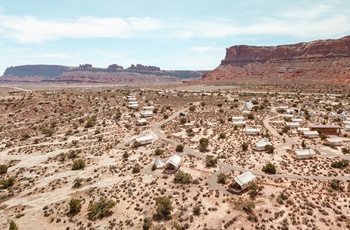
173, 163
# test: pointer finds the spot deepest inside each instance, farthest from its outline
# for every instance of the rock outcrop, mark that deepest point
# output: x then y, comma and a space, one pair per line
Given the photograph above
86, 73
326, 61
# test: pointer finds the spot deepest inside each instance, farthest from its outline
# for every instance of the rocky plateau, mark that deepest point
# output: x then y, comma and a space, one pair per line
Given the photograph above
321, 61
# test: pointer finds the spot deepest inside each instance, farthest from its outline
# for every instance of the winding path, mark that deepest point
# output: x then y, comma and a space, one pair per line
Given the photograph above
224, 167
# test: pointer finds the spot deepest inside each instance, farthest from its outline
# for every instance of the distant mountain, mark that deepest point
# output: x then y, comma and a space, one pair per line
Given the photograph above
321, 61
87, 73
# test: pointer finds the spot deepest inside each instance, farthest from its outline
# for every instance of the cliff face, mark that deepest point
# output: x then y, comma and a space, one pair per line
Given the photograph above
322, 60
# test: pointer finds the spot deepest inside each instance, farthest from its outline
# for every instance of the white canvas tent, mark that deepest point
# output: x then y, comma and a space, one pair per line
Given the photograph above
239, 122
260, 145
310, 134
159, 163
244, 179
247, 106
173, 162
147, 113
144, 140
335, 141
251, 131
293, 124
304, 153
141, 122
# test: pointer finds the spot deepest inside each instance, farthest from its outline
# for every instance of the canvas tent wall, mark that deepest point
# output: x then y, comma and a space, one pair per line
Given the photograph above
247, 106
304, 153
252, 131
173, 162
159, 163
260, 145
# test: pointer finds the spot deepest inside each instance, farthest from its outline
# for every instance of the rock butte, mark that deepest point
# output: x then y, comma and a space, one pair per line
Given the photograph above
325, 61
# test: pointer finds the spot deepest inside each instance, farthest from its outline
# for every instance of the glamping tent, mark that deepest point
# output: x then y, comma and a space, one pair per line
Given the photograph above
247, 106
260, 145
173, 163
144, 140
251, 131
310, 134
141, 122
334, 141
304, 154
159, 163
293, 124
242, 181
147, 113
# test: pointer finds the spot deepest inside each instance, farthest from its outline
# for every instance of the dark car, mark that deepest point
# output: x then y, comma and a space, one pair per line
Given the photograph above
182, 114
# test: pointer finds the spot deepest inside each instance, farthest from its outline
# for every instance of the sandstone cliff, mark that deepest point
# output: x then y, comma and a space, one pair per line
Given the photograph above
326, 61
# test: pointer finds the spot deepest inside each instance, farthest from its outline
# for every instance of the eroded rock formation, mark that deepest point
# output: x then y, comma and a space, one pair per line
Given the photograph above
326, 61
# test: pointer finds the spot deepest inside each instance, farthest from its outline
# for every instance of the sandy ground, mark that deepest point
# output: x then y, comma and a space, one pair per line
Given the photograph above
44, 131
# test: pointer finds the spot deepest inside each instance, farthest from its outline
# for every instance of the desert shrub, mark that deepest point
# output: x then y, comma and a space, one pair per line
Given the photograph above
46, 131
222, 136
9, 182
192, 108
210, 161
336, 185
78, 182
251, 116
269, 148
13, 225
182, 177
345, 150
147, 223
3, 169
78, 164
323, 136
246, 205
178, 226
154, 167
163, 206
159, 151
100, 209
203, 144
222, 177
90, 123
244, 146
179, 148
136, 168
269, 168
254, 189
196, 210
74, 206
183, 120
340, 164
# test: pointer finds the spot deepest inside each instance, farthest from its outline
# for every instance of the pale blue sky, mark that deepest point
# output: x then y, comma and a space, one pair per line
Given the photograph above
179, 34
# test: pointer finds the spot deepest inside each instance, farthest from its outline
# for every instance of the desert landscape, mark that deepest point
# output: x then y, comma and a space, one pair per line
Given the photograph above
74, 157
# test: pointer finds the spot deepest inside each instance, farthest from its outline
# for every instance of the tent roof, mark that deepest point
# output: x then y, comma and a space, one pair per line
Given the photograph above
174, 160
159, 163
263, 142
144, 138
334, 139
244, 178
305, 152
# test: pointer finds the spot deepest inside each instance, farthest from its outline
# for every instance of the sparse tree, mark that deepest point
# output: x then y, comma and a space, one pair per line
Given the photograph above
222, 177
203, 144
179, 148
100, 209
163, 206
